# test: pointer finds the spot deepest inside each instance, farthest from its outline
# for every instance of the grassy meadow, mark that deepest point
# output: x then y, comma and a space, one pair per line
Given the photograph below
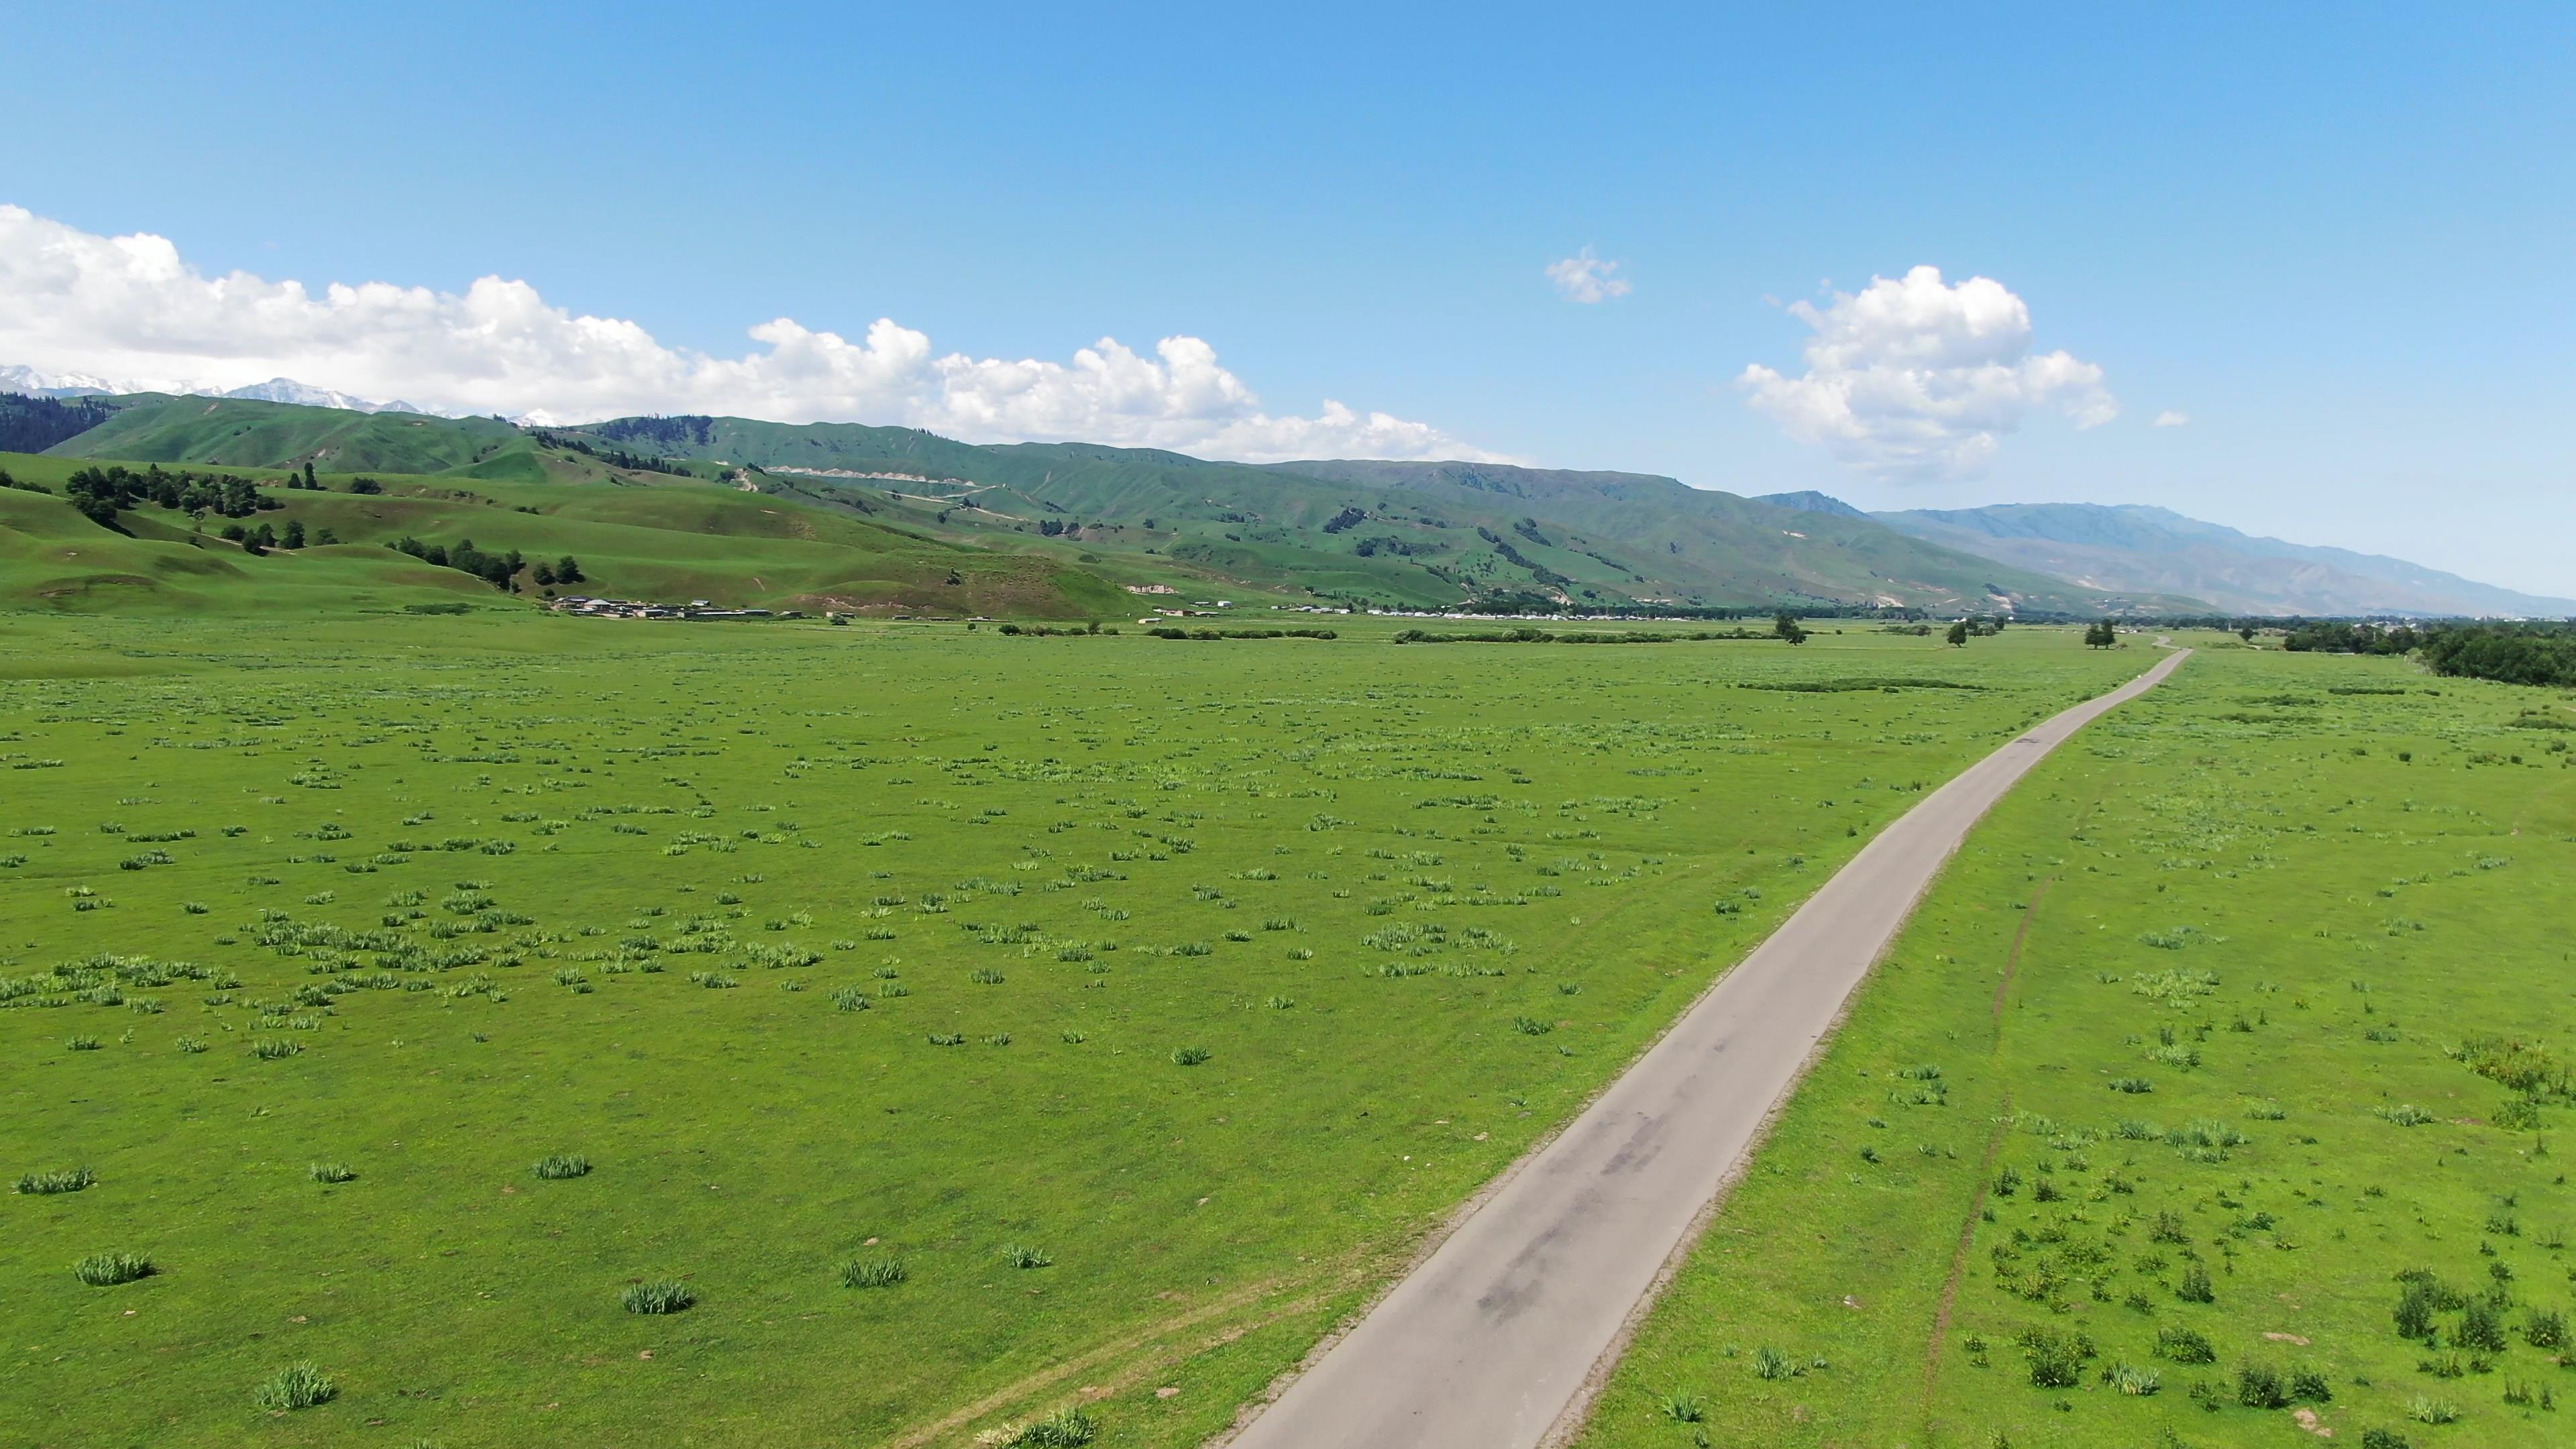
2217, 1093
551, 1030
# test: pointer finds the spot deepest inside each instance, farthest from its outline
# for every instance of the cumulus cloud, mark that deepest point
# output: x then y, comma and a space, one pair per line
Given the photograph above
2171, 419
132, 308
1912, 378
1586, 278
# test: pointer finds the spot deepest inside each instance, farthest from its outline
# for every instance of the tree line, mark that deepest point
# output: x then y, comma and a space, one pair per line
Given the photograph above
101, 493
2542, 654
500, 570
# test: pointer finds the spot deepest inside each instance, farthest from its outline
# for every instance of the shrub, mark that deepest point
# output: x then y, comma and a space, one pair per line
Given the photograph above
2184, 1345
2056, 1360
2259, 1386
2135, 1381
2309, 1383
2546, 1328
666, 1295
106, 1270
2134, 1086
46, 1184
297, 1386
2383, 1439
879, 1273
2481, 1327
332, 1172
2195, 1286
560, 1165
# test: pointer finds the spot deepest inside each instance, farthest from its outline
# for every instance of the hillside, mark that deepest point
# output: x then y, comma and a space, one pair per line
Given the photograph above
1392, 534
672, 542
2152, 549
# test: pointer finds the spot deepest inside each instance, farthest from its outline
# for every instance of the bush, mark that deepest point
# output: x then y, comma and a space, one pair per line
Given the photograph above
2481, 1327
2259, 1386
2310, 1384
667, 1295
2383, 1439
2546, 1328
106, 1270
2195, 1286
2056, 1360
297, 1386
2184, 1345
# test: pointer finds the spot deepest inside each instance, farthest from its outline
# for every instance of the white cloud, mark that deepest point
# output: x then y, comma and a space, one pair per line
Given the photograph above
2171, 419
1586, 278
1915, 379
132, 308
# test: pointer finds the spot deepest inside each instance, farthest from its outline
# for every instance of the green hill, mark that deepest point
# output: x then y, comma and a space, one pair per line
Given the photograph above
1401, 534
672, 541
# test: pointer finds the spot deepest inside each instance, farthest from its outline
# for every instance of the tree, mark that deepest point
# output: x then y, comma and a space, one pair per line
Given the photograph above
2246, 633
2101, 635
308, 474
294, 536
1958, 635
365, 485
1786, 626
545, 574
326, 536
567, 571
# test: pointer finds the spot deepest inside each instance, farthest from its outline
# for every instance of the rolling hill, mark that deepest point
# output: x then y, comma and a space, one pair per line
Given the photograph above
2155, 550
1398, 534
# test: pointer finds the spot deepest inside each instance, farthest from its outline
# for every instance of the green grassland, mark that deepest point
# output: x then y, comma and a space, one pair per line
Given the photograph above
1209, 973
2252, 999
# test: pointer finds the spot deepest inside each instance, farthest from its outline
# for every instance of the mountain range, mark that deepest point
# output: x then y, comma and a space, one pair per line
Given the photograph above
2140, 548
29, 382
1401, 534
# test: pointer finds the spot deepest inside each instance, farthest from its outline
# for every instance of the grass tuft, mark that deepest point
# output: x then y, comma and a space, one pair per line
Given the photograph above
560, 1165
297, 1386
663, 1295
106, 1270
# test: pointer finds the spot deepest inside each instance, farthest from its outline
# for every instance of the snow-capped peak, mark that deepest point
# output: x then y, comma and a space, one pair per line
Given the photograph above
30, 382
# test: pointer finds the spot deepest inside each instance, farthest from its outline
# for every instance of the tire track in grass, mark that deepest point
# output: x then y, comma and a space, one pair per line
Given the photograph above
1994, 1141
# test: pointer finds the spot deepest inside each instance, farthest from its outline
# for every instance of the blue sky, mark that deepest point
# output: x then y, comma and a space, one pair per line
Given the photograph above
2335, 238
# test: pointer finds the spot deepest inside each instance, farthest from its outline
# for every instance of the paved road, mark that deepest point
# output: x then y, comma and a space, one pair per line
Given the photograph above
1488, 1342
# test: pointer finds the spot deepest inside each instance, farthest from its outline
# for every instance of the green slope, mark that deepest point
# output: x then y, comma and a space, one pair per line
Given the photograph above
673, 541
241, 433
1406, 534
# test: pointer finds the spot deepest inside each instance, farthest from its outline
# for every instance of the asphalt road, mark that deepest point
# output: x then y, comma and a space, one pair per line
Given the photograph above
1487, 1344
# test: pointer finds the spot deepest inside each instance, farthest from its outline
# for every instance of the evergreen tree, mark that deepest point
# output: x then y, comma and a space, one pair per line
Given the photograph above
294, 537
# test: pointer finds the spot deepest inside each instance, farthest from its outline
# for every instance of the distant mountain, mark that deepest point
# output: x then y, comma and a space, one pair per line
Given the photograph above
29, 382
288, 390
2135, 547
33, 382
1808, 500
